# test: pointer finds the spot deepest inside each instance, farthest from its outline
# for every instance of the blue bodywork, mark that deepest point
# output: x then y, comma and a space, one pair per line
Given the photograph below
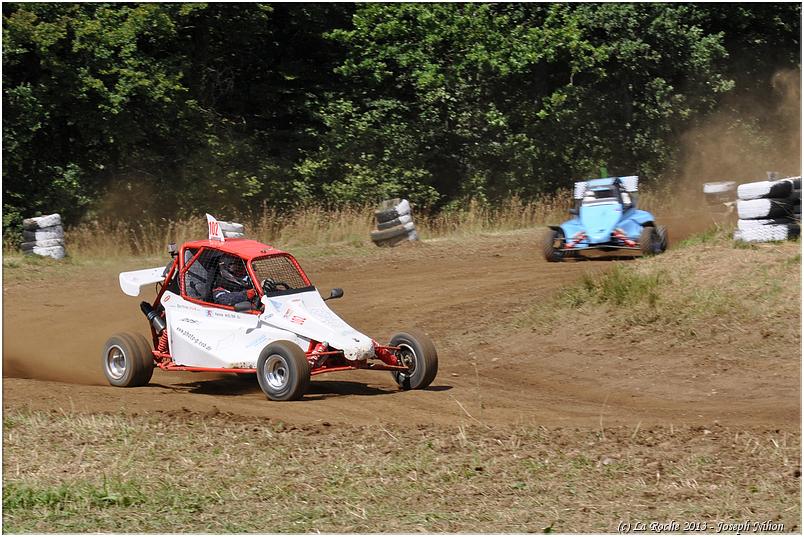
603, 209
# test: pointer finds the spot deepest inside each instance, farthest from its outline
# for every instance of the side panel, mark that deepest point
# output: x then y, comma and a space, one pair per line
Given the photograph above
212, 337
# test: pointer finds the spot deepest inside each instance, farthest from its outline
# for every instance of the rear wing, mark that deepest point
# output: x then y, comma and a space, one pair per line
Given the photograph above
629, 183
131, 282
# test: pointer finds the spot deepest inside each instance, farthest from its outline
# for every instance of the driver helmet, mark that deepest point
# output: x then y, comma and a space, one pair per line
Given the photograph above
233, 270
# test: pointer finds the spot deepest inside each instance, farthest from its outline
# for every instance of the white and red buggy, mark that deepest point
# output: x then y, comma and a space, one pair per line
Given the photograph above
283, 330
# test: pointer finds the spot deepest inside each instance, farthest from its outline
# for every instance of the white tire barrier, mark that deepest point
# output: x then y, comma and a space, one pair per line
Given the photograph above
56, 252
764, 208
768, 233
39, 222
43, 235
742, 225
720, 195
394, 223
720, 187
28, 246
784, 188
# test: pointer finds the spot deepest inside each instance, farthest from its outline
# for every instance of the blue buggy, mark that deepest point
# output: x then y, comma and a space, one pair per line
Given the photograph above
605, 217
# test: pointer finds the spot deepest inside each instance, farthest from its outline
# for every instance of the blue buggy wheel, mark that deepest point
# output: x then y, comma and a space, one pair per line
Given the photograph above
651, 241
553, 245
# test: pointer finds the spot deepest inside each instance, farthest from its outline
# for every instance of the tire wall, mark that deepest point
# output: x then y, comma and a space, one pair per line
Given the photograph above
769, 210
44, 236
394, 223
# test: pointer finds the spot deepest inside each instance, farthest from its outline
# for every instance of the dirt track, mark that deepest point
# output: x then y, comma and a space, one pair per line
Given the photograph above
464, 293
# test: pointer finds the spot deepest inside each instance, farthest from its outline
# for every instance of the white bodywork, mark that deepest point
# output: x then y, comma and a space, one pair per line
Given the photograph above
204, 336
132, 282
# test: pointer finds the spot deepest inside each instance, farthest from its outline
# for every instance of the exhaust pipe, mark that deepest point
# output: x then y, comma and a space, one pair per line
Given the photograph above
156, 321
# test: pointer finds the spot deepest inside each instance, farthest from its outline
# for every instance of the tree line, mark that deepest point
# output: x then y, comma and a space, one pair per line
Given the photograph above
166, 110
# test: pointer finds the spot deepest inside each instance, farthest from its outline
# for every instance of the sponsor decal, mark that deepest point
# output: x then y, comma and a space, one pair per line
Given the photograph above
209, 313
277, 305
192, 338
297, 319
167, 297
188, 320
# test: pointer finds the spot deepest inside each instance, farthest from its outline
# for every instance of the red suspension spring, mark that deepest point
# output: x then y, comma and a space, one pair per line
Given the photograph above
163, 342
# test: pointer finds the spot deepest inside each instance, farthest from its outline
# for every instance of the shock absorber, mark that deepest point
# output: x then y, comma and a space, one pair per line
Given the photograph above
156, 320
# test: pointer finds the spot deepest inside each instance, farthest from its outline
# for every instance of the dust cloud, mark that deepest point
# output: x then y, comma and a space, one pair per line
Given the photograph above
730, 145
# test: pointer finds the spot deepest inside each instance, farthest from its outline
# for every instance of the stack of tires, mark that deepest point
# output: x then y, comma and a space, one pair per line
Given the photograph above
394, 223
43, 235
232, 230
769, 210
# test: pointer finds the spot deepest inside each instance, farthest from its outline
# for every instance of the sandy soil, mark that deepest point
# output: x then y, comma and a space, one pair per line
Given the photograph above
464, 293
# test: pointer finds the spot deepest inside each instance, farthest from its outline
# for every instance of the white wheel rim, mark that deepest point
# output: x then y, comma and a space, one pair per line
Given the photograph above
408, 358
115, 362
275, 372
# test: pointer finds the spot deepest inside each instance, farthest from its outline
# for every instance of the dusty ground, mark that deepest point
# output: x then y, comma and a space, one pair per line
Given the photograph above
571, 429
465, 293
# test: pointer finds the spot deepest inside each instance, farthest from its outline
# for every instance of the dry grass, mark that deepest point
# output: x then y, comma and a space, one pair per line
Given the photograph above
66, 472
708, 287
314, 227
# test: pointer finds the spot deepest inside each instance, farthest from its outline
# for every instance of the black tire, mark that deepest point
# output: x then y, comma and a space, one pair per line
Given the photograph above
393, 241
390, 233
649, 241
385, 215
417, 351
127, 360
283, 371
552, 244
401, 221
663, 238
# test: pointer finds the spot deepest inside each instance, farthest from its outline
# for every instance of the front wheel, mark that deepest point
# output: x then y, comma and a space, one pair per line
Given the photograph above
417, 352
127, 360
649, 241
283, 371
662, 232
553, 244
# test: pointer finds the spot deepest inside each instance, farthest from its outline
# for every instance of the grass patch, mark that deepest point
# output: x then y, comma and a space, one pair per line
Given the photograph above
68, 472
620, 286
707, 285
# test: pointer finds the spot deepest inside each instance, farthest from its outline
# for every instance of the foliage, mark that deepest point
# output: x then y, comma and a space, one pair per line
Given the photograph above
167, 110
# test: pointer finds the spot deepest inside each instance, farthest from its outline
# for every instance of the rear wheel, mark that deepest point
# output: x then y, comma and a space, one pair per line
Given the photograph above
662, 232
553, 244
127, 360
283, 371
417, 352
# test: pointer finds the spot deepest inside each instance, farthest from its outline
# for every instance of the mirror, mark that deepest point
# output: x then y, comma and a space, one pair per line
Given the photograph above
335, 293
573, 211
240, 307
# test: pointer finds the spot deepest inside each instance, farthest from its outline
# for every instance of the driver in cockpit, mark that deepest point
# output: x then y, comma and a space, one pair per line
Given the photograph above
234, 284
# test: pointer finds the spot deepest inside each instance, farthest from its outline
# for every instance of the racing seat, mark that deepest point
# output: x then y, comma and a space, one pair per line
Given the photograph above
197, 281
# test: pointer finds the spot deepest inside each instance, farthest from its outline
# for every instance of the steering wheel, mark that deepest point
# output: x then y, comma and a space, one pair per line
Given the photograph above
269, 285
